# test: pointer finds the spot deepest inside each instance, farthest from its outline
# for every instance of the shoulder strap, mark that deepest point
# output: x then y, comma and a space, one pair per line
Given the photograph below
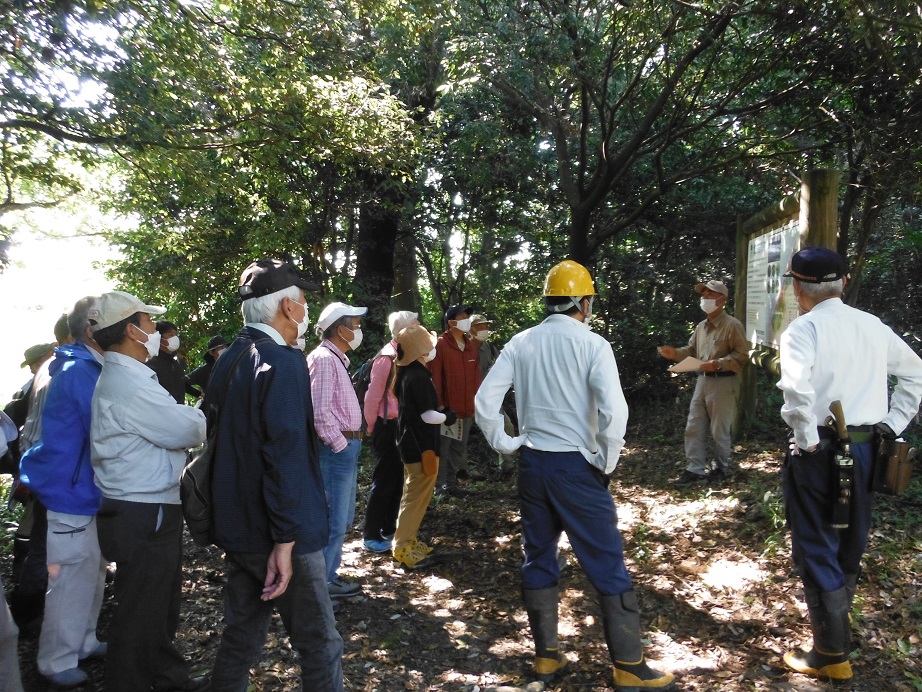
219, 398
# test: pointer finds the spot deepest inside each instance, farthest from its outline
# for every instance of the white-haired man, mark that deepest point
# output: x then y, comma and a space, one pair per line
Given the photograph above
270, 509
380, 411
834, 352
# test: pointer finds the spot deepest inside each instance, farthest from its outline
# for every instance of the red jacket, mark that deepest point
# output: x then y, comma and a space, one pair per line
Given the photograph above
456, 374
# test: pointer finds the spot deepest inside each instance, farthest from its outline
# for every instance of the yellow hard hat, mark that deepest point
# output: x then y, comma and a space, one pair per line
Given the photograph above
569, 278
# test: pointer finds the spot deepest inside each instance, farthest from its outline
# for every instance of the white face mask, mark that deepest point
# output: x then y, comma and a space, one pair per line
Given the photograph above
356, 340
429, 356
304, 323
173, 344
709, 305
151, 342
464, 325
300, 343
483, 335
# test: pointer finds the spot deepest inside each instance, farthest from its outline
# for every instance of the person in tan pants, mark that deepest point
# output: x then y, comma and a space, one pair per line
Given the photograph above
418, 422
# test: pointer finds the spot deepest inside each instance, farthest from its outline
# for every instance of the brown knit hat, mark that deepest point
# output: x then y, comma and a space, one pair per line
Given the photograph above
415, 341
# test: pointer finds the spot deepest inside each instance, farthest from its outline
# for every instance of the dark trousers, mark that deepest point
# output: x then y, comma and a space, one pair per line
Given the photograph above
145, 539
561, 491
386, 482
824, 556
306, 611
33, 575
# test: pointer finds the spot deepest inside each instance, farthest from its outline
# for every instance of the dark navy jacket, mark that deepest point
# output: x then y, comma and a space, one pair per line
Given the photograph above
267, 486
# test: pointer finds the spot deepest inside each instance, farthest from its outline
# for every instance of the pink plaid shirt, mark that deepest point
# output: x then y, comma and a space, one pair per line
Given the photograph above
336, 408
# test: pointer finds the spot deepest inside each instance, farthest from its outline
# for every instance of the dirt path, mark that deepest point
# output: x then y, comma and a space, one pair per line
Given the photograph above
711, 568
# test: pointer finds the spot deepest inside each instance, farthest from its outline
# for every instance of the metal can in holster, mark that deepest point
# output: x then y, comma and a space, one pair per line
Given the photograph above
893, 459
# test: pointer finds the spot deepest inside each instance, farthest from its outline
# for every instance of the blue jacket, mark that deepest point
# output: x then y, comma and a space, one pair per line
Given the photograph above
57, 468
266, 486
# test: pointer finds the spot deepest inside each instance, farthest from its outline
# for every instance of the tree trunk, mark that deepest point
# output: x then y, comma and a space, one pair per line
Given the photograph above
406, 271
374, 268
579, 237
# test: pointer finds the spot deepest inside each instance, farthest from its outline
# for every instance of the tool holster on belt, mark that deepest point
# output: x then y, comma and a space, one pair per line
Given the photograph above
844, 467
893, 459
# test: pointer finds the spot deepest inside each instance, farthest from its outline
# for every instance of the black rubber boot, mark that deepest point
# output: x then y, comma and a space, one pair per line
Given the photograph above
621, 621
828, 658
541, 607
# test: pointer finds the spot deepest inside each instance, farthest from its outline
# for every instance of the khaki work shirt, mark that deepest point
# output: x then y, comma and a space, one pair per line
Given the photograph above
721, 339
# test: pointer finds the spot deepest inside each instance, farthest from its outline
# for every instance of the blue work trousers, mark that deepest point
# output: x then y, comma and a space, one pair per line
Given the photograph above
561, 491
823, 555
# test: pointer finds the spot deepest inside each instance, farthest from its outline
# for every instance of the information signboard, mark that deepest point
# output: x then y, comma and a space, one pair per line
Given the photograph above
770, 301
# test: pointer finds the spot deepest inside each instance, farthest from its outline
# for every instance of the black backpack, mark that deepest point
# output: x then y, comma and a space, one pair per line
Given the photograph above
362, 378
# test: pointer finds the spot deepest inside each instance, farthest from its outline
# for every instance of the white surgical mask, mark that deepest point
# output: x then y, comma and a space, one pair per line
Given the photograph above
173, 343
483, 335
304, 323
356, 340
709, 305
464, 325
300, 343
429, 356
151, 342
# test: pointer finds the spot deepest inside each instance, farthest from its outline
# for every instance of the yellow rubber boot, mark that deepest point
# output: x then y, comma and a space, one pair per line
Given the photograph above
632, 677
819, 664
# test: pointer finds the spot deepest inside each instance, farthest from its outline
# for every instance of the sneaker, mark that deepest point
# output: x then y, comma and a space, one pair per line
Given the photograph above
66, 679
99, 652
423, 548
446, 491
200, 684
377, 545
717, 477
688, 479
339, 588
469, 474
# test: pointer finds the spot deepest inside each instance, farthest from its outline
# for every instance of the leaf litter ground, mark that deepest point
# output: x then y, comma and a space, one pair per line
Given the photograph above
711, 567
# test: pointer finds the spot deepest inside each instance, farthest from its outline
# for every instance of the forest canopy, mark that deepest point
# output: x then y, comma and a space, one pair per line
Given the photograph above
416, 156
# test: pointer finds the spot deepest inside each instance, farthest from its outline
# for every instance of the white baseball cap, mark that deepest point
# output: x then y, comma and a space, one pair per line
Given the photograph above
334, 311
112, 308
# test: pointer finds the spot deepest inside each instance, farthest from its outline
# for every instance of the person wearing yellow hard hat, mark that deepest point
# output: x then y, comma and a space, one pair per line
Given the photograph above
572, 417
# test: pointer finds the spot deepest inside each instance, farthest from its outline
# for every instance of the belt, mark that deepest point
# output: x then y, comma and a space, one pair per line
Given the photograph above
856, 433
353, 434
718, 374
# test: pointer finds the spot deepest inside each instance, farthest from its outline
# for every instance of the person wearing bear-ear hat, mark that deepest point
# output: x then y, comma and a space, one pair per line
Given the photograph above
418, 432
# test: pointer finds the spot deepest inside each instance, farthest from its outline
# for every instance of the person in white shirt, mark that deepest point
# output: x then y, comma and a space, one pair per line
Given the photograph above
138, 441
834, 352
572, 417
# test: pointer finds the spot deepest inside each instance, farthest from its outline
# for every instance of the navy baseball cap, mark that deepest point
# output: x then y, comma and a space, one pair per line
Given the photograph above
455, 310
816, 265
267, 276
